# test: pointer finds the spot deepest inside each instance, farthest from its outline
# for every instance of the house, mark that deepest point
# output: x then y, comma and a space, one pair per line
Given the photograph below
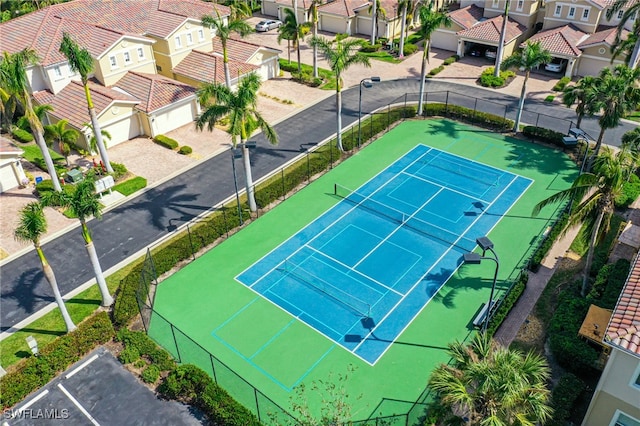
11, 172
135, 45
616, 400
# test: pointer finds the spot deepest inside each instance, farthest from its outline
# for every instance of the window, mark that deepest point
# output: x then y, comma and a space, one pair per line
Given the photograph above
495, 4
201, 35
113, 61
189, 39
558, 10
637, 383
127, 57
158, 68
633, 17
520, 5
572, 12
585, 15
178, 42
140, 53
620, 13
622, 419
57, 71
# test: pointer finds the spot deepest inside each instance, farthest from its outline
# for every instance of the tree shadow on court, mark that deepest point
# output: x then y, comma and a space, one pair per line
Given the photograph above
449, 128
525, 155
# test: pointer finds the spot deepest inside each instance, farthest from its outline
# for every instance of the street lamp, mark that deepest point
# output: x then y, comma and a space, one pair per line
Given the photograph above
473, 258
236, 153
368, 83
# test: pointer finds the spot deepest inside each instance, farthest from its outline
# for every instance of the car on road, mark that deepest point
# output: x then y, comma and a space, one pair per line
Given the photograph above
556, 65
268, 25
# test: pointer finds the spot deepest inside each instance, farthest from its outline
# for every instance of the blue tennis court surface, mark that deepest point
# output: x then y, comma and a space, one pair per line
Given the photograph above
363, 270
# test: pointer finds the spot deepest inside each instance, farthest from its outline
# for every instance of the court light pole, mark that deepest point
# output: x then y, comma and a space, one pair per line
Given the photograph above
473, 258
236, 153
368, 83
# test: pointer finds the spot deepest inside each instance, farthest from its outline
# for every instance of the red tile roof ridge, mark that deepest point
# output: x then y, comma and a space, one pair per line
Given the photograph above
624, 326
259, 46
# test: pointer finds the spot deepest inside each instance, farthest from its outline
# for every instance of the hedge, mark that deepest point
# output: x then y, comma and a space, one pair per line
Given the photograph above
468, 115
544, 135
510, 299
542, 250
487, 79
436, 70
563, 396
451, 59
185, 150
561, 84
409, 49
54, 358
22, 135
370, 48
609, 283
630, 192
166, 142
189, 384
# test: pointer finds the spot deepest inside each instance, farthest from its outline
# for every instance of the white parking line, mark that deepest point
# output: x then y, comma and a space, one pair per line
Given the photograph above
30, 403
77, 404
81, 366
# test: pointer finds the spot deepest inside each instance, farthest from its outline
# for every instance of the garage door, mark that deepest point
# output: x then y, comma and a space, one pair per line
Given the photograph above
270, 8
332, 24
122, 130
7, 177
174, 118
591, 66
363, 25
447, 40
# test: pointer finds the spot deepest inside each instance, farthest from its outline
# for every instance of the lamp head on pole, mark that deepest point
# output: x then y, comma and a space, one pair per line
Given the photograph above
375, 79
236, 152
367, 84
485, 243
472, 258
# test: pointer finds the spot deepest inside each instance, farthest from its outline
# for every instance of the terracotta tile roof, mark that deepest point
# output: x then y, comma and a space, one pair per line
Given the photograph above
154, 91
70, 103
343, 7
489, 30
603, 35
467, 17
96, 23
208, 67
8, 147
239, 50
306, 4
623, 330
560, 41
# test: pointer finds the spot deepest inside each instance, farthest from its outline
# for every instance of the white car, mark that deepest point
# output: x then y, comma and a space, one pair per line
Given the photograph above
268, 25
555, 65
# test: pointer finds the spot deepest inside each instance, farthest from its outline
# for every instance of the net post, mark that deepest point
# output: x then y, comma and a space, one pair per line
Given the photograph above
335, 189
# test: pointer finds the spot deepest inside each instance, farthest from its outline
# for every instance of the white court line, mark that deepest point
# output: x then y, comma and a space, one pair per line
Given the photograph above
81, 366
30, 403
77, 404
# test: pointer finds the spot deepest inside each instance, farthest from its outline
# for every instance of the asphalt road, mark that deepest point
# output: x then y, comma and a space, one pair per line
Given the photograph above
138, 222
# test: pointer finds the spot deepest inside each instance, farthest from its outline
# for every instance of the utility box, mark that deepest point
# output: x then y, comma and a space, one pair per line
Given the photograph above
73, 176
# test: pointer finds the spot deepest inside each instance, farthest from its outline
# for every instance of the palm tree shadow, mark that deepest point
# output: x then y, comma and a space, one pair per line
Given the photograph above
444, 127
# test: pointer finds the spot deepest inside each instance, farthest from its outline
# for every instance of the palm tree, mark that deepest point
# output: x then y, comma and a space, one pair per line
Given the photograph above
341, 54
492, 385
40, 111
629, 15
240, 9
80, 61
596, 191
615, 94
106, 138
31, 226
430, 20
579, 94
375, 9
224, 31
60, 134
314, 26
403, 6
241, 109
531, 56
293, 32
83, 203
13, 79
631, 140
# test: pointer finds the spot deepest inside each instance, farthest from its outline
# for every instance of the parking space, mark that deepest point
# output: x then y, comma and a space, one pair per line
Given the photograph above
98, 390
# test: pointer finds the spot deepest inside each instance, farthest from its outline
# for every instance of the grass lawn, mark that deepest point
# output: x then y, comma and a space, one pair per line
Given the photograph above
130, 186
634, 116
382, 55
325, 74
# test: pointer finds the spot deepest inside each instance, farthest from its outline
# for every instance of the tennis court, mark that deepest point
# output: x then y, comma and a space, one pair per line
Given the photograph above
362, 269
361, 272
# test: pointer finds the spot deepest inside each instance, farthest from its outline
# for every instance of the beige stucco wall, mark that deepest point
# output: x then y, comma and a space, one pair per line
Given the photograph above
108, 75
168, 54
615, 391
589, 25
526, 15
187, 80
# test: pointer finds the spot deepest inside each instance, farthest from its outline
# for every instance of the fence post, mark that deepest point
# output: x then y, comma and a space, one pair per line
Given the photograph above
388, 117
475, 109
226, 224
193, 254
446, 105
284, 191
175, 342
308, 168
213, 368
537, 119
255, 395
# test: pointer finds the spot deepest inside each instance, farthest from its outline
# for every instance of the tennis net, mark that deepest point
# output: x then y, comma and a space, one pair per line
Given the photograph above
316, 283
407, 220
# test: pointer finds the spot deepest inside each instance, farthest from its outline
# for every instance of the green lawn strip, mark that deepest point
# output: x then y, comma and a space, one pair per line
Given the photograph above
325, 74
50, 326
204, 296
130, 186
382, 56
634, 116
33, 154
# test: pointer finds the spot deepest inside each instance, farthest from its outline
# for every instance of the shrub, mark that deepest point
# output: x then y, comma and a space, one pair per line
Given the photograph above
166, 142
563, 396
630, 192
47, 186
150, 374
549, 98
482, 119
436, 70
55, 357
451, 59
22, 135
608, 284
129, 355
409, 49
561, 84
136, 340
119, 170
487, 79
510, 299
185, 150
369, 48
184, 384
543, 135
162, 359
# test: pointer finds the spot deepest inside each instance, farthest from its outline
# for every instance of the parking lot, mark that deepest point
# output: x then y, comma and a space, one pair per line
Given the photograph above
98, 390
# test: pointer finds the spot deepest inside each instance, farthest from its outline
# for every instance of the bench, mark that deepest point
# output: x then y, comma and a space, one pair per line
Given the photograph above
482, 315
